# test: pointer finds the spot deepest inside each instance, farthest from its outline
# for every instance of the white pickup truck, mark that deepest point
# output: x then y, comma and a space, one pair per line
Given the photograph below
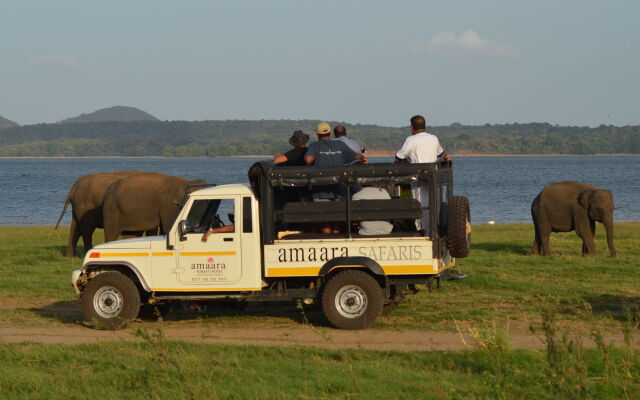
271, 254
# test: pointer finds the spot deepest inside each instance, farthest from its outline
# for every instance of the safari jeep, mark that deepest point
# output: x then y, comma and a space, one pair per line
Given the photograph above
272, 252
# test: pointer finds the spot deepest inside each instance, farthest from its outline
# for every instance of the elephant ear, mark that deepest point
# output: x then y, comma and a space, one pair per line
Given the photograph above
584, 199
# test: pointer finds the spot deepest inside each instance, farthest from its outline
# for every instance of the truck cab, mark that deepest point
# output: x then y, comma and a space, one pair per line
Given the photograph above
269, 247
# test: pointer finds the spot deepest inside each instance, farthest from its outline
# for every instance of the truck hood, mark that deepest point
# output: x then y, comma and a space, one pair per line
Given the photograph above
134, 243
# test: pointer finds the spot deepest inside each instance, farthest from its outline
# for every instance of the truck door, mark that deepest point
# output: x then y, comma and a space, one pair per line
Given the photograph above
218, 260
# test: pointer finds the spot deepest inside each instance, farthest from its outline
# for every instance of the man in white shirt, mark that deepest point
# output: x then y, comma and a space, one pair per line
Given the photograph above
421, 147
373, 227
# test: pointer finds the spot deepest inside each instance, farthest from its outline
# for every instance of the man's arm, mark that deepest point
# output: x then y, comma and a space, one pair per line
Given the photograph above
280, 158
445, 156
310, 156
222, 229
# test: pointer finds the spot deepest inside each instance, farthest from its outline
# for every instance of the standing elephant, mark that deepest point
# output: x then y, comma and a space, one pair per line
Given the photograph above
568, 206
85, 197
142, 202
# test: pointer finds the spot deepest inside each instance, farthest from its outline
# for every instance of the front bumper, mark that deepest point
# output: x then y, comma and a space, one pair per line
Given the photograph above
75, 276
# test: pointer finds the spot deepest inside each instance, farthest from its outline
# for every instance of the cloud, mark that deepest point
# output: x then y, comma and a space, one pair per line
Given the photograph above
54, 60
468, 41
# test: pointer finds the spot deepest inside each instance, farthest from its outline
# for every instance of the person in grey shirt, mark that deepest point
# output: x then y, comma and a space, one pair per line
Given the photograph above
340, 134
373, 227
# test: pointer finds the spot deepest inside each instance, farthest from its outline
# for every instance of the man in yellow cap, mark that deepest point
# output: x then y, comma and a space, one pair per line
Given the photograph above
326, 152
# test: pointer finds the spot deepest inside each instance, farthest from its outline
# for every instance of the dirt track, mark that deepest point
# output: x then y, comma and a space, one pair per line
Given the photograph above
252, 333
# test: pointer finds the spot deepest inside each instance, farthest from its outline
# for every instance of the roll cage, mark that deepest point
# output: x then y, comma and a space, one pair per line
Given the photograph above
269, 180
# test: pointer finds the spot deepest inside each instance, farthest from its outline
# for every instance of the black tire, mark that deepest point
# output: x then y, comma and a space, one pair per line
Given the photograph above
111, 300
352, 299
151, 312
390, 306
458, 216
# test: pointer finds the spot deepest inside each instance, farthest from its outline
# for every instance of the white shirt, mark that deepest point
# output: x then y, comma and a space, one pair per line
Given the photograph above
373, 227
421, 147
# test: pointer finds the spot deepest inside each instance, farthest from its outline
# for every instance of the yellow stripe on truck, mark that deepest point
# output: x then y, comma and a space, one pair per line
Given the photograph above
388, 269
145, 254
302, 271
407, 269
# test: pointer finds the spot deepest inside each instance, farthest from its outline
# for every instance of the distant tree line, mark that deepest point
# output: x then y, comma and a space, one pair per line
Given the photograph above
232, 137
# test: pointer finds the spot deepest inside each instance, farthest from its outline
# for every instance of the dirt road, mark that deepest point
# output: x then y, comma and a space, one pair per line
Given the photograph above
59, 322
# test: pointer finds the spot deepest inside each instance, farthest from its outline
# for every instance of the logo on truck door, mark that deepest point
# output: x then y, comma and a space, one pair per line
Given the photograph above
380, 253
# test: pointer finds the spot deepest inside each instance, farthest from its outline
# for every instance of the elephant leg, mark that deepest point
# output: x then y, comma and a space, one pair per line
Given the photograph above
544, 242
592, 228
535, 249
538, 218
87, 237
74, 236
152, 232
587, 233
111, 229
536, 245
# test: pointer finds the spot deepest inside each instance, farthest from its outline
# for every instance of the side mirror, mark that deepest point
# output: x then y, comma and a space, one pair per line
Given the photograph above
182, 229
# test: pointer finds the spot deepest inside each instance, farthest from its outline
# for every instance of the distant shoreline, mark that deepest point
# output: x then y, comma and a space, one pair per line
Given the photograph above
372, 153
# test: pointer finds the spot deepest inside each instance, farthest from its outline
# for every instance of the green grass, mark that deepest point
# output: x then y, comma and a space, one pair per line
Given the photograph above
154, 368
505, 283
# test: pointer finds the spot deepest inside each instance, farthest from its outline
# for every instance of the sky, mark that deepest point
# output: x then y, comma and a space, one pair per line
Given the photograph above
565, 62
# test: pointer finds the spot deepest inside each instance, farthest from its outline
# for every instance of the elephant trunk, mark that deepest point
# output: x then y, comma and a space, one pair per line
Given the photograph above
608, 226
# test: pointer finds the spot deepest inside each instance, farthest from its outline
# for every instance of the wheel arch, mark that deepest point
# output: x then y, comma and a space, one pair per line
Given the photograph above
366, 264
126, 268
351, 262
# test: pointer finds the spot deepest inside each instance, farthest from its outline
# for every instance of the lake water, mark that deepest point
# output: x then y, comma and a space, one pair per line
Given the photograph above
500, 189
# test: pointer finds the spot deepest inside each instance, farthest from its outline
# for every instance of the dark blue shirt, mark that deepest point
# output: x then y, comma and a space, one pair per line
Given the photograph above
330, 152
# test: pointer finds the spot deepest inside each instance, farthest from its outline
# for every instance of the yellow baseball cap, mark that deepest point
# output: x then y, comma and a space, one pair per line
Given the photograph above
323, 128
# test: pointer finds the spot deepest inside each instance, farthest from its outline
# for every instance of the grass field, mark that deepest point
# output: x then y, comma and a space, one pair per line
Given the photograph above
154, 368
505, 283
506, 286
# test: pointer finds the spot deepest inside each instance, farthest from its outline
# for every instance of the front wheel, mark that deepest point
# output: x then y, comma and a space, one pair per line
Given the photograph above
111, 299
352, 299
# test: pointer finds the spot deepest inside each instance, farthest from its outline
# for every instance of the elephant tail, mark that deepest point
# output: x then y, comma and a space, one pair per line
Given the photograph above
66, 203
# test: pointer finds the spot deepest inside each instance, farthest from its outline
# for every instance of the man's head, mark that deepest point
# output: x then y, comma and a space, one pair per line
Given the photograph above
418, 124
323, 130
339, 131
299, 139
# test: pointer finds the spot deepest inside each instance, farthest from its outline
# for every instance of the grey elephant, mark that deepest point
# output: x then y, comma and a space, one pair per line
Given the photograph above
85, 197
142, 202
568, 206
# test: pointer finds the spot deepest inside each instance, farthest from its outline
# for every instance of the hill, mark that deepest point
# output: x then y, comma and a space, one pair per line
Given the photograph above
6, 123
242, 137
114, 114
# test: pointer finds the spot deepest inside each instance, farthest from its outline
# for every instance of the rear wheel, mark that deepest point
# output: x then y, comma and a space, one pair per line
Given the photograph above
352, 300
458, 227
111, 299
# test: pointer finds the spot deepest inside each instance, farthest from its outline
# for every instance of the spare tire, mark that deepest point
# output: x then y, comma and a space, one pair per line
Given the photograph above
458, 220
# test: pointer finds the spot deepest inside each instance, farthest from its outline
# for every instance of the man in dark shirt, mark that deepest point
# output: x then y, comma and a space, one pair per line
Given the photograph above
296, 155
326, 152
